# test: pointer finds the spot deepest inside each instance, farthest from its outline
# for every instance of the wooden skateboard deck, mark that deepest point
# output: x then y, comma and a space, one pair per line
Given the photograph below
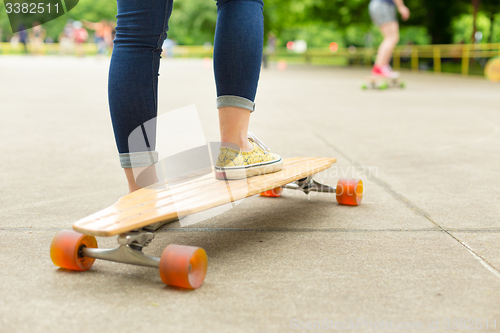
149, 205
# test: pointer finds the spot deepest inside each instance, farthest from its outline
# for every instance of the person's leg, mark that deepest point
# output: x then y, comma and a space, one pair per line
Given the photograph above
239, 39
390, 31
233, 125
133, 81
238, 47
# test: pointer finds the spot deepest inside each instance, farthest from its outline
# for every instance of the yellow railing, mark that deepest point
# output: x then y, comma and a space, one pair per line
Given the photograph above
47, 48
454, 51
192, 51
414, 53
365, 56
91, 49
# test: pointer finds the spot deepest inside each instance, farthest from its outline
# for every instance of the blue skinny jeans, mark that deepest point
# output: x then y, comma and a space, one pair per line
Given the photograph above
142, 27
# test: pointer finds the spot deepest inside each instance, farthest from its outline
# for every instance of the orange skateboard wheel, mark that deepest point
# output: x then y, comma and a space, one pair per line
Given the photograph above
275, 192
349, 191
183, 266
65, 250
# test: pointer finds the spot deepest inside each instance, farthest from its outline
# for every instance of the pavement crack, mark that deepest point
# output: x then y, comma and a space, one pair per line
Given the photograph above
379, 181
412, 206
333, 230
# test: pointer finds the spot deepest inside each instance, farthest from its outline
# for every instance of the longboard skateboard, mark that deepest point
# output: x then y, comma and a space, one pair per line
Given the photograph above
382, 83
135, 217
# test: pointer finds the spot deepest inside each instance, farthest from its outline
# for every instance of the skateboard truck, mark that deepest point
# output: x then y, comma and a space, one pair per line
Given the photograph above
129, 251
308, 184
179, 265
348, 191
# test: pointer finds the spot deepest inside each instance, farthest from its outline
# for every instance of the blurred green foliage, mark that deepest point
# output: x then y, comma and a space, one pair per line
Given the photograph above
462, 26
91, 10
193, 22
489, 28
319, 22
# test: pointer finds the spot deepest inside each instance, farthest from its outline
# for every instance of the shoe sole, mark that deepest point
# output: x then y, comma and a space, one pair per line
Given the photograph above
233, 173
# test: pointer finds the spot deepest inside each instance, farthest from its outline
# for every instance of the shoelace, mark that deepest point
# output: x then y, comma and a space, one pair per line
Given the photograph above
259, 143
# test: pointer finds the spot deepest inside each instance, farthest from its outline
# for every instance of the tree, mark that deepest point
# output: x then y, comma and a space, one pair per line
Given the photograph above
435, 15
490, 9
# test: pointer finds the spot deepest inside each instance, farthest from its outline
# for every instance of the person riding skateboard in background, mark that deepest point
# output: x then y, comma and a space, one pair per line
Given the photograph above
383, 14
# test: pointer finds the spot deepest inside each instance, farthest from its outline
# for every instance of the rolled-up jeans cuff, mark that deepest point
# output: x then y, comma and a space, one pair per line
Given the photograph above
139, 159
235, 101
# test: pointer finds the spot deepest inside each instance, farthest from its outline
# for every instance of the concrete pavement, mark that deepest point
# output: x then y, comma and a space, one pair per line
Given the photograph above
423, 247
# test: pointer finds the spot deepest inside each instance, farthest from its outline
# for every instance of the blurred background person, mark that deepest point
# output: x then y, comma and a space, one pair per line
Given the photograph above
109, 35
80, 36
23, 37
37, 37
270, 48
102, 34
168, 47
65, 38
383, 14
14, 41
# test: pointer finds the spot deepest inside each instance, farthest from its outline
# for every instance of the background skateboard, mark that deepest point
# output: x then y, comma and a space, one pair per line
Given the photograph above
382, 83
